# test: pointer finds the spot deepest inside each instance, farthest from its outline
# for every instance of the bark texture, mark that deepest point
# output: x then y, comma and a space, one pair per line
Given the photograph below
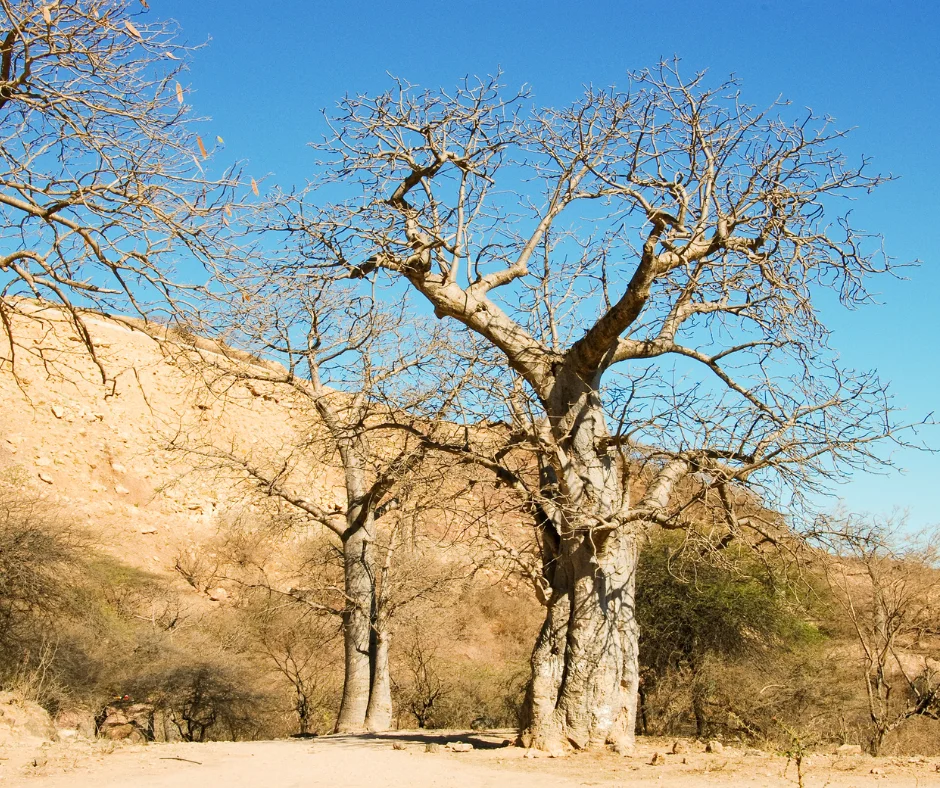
584, 665
379, 712
357, 630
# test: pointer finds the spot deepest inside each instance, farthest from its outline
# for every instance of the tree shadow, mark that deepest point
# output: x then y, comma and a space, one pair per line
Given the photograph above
481, 740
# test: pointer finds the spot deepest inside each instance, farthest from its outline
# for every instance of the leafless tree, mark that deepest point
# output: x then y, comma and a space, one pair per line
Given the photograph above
887, 581
426, 686
647, 265
103, 183
365, 407
294, 638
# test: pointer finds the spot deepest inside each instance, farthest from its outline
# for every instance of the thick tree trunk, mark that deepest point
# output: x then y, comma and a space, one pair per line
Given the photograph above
357, 627
379, 713
585, 671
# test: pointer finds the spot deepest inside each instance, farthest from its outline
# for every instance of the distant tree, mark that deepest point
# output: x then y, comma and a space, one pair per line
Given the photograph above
641, 274
201, 697
101, 186
425, 687
886, 579
294, 635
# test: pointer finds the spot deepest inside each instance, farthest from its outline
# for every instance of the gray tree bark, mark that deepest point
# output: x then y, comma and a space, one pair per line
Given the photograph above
585, 671
379, 712
357, 628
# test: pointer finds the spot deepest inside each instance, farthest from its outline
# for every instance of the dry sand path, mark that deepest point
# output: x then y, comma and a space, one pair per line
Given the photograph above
371, 762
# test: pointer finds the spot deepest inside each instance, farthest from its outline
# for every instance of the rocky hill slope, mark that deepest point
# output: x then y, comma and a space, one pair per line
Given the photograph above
103, 452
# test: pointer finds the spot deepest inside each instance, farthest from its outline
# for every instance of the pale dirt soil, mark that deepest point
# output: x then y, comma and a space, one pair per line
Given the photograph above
373, 762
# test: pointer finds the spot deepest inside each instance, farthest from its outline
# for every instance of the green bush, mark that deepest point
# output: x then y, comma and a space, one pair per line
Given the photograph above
705, 612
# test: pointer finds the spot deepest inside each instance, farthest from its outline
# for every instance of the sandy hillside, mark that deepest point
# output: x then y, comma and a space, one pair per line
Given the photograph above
105, 458
402, 761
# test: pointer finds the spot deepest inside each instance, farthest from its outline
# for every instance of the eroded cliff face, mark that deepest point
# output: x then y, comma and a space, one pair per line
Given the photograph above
104, 454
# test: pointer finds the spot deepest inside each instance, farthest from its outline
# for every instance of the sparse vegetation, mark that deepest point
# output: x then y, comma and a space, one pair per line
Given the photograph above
492, 348
732, 646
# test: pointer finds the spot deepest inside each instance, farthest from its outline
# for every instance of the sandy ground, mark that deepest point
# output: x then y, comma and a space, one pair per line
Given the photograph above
402, 759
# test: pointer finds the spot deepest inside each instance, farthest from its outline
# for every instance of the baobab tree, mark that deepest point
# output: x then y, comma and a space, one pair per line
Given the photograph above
648, 265
364, 405
103, 188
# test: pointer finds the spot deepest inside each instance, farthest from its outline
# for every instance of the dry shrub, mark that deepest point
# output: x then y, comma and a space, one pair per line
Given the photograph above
921, 735
203, 700
725, 648
40, 572
465, 661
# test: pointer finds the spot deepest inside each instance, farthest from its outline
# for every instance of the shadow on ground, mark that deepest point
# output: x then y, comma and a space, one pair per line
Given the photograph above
481, 740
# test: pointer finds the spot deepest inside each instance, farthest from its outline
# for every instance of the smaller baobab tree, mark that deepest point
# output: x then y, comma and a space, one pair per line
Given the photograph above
101, 186
366, 404
886, 579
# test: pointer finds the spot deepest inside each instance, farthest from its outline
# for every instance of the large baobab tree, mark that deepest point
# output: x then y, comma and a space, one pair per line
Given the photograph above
102, 189
648, 265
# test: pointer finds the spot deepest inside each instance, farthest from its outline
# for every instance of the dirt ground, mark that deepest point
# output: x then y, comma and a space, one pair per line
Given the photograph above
403, 760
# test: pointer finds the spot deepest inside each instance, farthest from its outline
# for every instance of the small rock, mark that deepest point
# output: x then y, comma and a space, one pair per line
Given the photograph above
461, 746
118, 468
149, 530
432, 747
218, 594
42, 462
715, 747
399, 745
120, 489
45, 477
126, 720
67, 733
658, 759
877, 770
679, 747
57, 411
123, 732
849, 749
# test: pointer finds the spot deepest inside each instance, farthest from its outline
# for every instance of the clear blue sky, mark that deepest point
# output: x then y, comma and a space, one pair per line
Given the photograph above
268, 70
